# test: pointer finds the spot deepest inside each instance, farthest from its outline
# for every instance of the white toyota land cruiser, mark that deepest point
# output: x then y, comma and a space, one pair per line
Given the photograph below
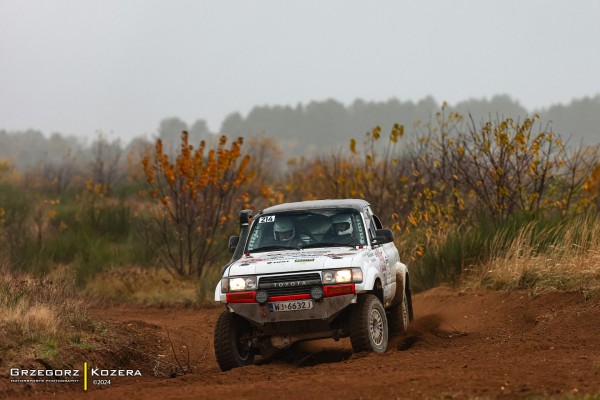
310, 270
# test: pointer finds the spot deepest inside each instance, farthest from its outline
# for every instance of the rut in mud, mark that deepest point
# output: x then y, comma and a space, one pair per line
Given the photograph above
461, 344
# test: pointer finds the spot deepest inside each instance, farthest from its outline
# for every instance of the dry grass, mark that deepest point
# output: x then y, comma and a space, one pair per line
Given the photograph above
148, 286
564, 258
38, 308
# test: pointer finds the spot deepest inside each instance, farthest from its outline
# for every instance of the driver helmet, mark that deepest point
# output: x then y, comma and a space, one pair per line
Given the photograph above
283, 229
342, 225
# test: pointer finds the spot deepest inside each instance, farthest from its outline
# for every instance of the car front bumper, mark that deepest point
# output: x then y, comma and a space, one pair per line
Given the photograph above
324, 309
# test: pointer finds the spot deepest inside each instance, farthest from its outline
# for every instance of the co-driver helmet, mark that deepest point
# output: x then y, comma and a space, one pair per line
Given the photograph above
342, 225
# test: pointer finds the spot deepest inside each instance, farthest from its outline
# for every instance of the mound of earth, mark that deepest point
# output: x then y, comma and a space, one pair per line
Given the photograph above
116, 345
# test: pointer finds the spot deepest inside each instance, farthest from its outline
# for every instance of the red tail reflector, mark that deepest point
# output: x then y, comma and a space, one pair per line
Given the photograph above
339, 290
243, 297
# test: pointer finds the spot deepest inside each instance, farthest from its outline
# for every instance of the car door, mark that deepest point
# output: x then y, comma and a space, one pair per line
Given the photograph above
390, 248
387, 256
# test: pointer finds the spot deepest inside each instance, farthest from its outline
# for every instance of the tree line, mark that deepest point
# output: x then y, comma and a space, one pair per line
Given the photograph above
302, 130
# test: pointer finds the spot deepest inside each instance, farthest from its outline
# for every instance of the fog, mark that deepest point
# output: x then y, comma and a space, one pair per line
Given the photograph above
122, 67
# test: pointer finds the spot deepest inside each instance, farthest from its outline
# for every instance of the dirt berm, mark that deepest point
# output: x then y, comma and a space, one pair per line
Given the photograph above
461, 345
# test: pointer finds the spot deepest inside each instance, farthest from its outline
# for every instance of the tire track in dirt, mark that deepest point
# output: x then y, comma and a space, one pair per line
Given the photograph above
461, 345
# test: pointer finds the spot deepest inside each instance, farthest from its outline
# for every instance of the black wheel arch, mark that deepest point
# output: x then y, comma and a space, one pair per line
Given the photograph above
378, 290
408, 297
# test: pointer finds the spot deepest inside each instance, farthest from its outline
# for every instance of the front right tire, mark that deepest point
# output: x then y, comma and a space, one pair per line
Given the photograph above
368, 325
231, 342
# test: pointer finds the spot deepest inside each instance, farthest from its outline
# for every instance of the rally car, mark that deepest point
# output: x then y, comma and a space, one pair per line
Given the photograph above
310, 270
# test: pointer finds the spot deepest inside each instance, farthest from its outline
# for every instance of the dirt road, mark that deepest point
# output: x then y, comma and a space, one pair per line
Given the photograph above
461, 345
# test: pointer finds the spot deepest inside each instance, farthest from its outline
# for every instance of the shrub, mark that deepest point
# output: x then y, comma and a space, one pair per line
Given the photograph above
196, 193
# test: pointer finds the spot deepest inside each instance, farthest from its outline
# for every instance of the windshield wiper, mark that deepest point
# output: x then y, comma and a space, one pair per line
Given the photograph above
269, 248
327, 244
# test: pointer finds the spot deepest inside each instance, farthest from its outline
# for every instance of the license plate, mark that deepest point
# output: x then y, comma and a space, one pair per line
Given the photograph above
291, 305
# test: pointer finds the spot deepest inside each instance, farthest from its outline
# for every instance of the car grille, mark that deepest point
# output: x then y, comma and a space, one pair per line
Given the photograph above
289, 284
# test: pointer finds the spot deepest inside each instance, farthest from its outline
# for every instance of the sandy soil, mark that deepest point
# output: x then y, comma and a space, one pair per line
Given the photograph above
461, 345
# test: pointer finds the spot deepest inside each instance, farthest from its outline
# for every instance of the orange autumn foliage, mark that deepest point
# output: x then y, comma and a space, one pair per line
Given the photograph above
197, 194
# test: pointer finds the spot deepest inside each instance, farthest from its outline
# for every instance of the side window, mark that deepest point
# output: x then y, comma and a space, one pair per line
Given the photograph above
377, 222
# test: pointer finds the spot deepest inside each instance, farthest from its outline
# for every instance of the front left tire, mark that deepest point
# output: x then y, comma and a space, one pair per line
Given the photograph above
368, 325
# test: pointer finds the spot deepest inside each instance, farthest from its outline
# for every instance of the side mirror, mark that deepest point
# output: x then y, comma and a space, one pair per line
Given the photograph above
383, 236
233, 242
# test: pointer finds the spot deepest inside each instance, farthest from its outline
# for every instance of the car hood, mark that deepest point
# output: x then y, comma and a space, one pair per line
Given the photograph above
297, 260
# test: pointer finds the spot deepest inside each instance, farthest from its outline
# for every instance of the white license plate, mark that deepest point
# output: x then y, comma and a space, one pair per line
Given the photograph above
296, 305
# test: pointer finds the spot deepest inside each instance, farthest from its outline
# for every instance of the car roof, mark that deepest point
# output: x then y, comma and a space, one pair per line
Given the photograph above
357, 204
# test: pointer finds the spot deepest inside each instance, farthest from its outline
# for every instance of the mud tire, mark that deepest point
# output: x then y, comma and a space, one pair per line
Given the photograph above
399, 316
230, 350
368, 325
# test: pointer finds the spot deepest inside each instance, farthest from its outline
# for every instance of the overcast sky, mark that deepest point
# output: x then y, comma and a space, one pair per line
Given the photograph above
121, 66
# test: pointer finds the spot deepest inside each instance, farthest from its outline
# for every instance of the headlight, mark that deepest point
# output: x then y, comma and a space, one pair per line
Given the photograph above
342, 275
238, 283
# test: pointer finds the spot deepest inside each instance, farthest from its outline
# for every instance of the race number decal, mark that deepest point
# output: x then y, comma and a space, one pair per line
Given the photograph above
269, 218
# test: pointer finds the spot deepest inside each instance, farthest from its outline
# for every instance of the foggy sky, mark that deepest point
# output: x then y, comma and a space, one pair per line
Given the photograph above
121, 66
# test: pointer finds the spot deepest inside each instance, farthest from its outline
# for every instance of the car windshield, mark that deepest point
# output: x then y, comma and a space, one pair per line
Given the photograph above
307, 229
